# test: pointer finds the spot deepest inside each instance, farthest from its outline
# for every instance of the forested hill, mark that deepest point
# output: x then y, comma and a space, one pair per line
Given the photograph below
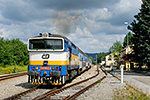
93, 55
13, 52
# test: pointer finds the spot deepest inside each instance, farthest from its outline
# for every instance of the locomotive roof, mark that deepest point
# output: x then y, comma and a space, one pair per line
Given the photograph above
56, 35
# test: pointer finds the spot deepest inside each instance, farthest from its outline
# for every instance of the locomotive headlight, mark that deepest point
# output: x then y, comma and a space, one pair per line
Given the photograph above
37, 68
53, 68
45, 34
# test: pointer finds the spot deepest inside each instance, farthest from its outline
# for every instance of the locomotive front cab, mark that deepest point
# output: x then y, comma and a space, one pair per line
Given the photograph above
47, 60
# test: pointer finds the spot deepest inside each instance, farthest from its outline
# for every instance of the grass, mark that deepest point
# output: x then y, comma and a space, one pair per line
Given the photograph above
130, 93
12, 69
99, 81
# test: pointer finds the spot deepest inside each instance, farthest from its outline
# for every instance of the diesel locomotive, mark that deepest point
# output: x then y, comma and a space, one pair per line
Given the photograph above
54, 59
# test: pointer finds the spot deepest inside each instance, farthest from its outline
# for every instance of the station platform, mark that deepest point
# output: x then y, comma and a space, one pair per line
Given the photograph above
138, 80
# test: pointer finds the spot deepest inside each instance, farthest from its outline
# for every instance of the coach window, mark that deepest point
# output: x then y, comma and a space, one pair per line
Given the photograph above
80, 58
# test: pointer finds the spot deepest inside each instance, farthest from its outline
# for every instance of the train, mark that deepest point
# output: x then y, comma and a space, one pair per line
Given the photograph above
54, 59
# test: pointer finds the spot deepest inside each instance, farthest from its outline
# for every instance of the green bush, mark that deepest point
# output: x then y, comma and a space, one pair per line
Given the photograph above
12, 69
13, 52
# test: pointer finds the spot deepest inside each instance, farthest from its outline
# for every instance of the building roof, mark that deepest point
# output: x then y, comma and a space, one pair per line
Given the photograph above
127, 57
125, 48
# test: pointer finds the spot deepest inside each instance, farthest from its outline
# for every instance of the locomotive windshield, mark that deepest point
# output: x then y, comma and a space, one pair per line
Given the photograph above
45, 44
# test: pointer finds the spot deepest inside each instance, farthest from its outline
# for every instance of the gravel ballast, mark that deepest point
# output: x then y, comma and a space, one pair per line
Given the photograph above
103, 90
14, 86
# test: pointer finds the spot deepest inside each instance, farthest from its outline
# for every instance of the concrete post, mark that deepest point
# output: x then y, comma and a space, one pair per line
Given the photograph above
121, 73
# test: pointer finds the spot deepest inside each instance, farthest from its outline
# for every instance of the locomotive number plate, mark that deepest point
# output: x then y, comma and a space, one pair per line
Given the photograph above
45, 68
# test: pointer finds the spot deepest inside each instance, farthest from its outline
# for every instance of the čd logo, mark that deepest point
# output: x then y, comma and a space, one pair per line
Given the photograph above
45, 56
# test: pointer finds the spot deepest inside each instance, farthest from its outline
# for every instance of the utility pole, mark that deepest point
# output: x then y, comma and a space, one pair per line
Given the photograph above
96, 60
126, 23
121, 73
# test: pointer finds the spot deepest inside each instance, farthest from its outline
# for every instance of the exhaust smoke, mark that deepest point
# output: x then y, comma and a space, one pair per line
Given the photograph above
66, 21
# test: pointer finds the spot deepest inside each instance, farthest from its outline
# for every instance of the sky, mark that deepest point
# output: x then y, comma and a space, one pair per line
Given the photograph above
93, 25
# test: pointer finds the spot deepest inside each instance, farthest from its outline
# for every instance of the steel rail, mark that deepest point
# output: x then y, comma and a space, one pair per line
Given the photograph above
12, 76
17, 96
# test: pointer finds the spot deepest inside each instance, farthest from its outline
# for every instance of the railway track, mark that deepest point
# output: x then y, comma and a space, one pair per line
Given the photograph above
50, 94
20, 95
12, 76
56, 91
17, 96
72, 97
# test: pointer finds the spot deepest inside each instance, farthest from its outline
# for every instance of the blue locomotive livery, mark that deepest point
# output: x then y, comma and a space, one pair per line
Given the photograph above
54, 59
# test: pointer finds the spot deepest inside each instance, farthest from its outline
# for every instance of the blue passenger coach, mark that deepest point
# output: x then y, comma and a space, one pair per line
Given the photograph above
54, 59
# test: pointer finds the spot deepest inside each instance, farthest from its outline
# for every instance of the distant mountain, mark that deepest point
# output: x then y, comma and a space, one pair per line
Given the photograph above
93, 55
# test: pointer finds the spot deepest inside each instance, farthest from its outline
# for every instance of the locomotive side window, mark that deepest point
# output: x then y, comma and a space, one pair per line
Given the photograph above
46, 44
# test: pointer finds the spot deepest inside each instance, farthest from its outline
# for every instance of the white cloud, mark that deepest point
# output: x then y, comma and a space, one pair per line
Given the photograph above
92, 25
94, 42
123, 11
123, 6
99, 14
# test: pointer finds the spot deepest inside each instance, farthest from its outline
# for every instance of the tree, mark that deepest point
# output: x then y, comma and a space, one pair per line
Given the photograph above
117, 46
101, 57
92, 60
141, 37
115, 49
13, 52
130, 36
2, 50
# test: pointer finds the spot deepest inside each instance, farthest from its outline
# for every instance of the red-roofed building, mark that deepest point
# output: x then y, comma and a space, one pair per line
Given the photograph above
126, 57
